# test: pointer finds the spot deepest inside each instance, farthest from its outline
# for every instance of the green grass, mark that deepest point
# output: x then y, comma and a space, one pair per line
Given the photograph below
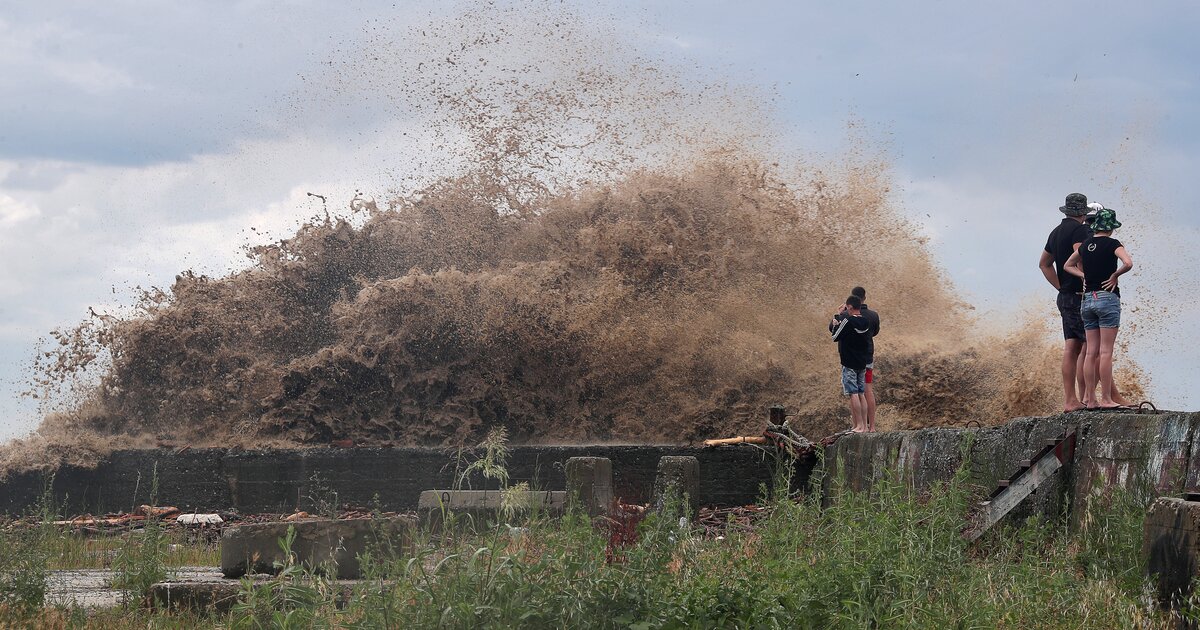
70, 550
883, 558
880, 559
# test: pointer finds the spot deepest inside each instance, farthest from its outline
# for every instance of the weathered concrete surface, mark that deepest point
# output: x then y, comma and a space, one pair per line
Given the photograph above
212, 597
858, 460
1150, 453
324, 544
92, 588
281, 481
678, 479
589, 482
1144, 454
1171, 547
932, 456
484, 506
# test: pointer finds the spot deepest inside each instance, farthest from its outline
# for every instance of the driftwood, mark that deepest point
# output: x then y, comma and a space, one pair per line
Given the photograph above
742, 439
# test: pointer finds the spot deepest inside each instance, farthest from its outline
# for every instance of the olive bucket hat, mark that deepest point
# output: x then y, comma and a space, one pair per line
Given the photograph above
1076, 205
1106, 220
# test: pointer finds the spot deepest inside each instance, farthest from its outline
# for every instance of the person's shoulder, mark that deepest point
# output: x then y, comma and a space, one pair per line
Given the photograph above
1080, 232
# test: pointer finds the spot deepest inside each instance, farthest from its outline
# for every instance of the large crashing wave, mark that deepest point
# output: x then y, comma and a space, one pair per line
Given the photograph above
619, 258
665, 307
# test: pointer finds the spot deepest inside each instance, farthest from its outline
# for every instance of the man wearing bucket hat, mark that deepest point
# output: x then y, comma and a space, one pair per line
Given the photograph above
1095, 263
1064, 241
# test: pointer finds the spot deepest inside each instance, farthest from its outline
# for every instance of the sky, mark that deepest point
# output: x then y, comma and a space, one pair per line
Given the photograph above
141, 139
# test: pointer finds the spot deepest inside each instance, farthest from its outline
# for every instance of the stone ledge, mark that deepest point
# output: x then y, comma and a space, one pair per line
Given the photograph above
323, 544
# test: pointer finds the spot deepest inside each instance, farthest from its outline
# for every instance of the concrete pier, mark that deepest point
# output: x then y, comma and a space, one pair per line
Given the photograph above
589, 482
1171, 547
677, 482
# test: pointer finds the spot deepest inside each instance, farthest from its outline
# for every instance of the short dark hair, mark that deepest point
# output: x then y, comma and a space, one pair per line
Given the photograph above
854, 302
860, 292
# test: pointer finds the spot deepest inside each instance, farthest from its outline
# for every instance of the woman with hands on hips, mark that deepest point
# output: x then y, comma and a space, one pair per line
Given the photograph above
1096, 262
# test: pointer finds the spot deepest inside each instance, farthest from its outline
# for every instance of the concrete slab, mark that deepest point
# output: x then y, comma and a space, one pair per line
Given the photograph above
1171, 547
327, 545
92, 588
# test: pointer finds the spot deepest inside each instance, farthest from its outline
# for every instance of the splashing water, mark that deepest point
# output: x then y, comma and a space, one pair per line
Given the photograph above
605, 250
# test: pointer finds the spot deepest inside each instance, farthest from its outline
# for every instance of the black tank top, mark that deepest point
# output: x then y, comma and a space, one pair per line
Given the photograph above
1099, 258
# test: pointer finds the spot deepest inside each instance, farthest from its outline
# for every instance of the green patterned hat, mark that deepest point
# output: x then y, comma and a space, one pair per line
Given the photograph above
1106, 220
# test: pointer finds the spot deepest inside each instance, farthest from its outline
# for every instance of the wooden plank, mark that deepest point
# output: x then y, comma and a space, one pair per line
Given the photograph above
1017, 490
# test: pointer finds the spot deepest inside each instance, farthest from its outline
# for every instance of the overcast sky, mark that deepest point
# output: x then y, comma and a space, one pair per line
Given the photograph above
139, 139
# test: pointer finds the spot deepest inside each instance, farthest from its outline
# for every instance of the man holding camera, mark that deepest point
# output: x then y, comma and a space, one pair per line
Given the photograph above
852, 332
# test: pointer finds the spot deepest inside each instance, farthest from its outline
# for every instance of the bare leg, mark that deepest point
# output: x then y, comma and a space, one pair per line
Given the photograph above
870, 400
1071, 350
1088, 398
857, 412
1118, 398
1092, 359
1108, 337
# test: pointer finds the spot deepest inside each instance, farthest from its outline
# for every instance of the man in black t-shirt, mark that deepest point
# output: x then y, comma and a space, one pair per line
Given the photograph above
1063, 242
872, 318
852, 333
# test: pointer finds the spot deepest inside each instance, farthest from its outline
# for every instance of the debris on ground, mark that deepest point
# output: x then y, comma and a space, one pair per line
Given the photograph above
199, 519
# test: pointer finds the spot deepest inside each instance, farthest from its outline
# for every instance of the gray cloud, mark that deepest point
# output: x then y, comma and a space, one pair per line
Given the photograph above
140, 139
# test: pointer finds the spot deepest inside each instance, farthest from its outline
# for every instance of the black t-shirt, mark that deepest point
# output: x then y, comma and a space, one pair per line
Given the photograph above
1061, 245
852, 334
872, 318
1098, 254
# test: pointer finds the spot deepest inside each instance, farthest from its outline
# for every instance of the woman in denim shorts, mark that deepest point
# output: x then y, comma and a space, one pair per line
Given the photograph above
1096, 262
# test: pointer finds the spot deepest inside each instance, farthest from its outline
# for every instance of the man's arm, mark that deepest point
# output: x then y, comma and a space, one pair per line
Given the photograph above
875, 324
838, 325
1046, 264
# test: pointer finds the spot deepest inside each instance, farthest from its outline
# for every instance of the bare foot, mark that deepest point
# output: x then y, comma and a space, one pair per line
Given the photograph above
1071, 408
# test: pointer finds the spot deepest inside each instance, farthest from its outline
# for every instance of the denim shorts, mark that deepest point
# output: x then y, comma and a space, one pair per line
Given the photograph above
1101, 309
853, 381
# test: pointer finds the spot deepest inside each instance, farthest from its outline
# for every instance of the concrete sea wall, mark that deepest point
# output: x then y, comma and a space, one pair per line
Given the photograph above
1157, 453
1153, 453
278, 481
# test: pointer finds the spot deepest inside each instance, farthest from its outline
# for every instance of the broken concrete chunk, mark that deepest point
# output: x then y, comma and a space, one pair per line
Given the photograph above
677, 480
199, 519
329, 546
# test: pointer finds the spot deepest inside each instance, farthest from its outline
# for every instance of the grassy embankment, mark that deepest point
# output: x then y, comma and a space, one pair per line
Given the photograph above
878, 559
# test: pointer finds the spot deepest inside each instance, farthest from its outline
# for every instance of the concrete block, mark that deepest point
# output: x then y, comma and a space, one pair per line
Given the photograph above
195, 597
1171, 535
931, 456
484, 506
857, 460
323, 544
589, 481
677, 479
1136, 453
